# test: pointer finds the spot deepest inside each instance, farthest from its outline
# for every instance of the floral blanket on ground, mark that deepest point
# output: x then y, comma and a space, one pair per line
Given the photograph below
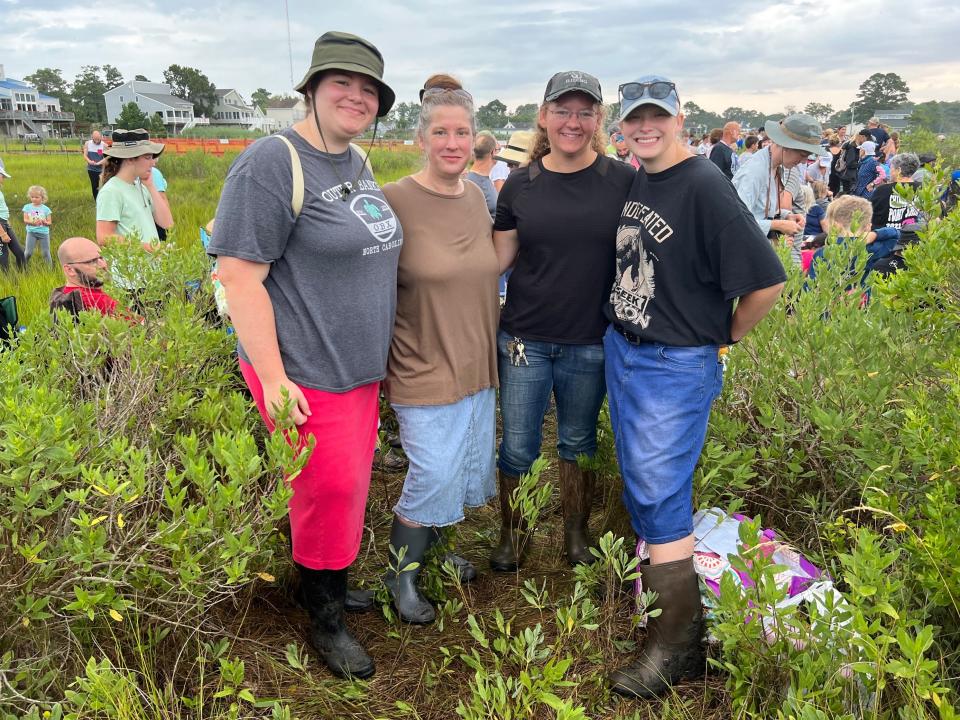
717, 536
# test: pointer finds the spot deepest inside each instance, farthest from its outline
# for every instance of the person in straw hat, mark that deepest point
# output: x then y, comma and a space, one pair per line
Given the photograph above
307, 250
128, 203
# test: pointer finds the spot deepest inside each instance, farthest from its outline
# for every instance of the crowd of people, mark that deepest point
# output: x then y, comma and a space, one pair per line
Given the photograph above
636, 252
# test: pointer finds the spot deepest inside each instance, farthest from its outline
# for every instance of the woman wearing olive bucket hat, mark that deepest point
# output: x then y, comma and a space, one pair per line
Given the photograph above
128, 202
312, 297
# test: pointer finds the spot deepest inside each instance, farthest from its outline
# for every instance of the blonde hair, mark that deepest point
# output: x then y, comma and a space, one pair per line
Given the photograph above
37, 190
848, 210
819, 189
541, 143
432, 101
806, 199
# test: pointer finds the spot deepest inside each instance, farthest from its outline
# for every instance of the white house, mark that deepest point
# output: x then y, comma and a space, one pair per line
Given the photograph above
286, 111
24, 110
233, 110
153, 99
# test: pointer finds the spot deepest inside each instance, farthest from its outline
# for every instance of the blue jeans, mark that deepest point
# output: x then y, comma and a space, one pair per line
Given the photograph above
660, 399
574, 373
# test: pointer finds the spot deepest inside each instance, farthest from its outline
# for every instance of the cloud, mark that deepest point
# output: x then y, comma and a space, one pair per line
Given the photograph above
750, 54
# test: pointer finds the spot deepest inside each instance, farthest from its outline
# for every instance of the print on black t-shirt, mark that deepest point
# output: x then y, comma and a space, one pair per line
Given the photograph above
686, 248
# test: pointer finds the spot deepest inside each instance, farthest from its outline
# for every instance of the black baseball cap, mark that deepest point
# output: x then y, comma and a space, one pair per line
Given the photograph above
572, 81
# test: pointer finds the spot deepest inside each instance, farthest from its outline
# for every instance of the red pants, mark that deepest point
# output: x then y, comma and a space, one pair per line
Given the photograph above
330, 494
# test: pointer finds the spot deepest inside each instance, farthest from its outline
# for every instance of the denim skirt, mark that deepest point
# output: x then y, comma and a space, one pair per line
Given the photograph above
451, 449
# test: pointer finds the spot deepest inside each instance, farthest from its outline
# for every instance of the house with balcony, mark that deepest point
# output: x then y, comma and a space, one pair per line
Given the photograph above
286, 111
24, 111
233, 110
153, 99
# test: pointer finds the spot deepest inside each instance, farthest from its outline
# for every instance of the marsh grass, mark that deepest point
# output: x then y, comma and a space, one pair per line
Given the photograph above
831, 424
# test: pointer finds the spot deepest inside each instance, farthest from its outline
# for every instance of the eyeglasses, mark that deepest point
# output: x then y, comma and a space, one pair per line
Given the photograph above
657, 90
97, 259
460, 92
582, 115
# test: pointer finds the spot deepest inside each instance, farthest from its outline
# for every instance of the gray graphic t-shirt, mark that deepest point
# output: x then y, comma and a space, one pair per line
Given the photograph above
333, 273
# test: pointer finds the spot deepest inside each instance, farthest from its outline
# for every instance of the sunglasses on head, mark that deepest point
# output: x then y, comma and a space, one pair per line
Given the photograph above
658, 90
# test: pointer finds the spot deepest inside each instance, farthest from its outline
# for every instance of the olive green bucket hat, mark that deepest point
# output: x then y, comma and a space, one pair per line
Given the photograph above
343, 51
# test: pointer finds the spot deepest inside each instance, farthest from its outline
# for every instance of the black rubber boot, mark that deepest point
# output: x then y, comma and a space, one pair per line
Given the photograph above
324, 592
509, 554
402, 584
674, 648
576, 497
465, 569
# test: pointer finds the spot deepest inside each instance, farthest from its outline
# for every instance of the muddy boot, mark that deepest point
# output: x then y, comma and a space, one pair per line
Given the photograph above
508, 556
402, 584
324, 592
465, 569
576, 497
674, 648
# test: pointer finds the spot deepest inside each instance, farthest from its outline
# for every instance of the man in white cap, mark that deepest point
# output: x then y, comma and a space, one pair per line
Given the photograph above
867, 170
760, 182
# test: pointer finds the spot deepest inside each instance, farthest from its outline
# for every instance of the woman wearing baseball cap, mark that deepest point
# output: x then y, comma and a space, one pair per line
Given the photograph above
128, 202
555, 220
686, 248
311, 287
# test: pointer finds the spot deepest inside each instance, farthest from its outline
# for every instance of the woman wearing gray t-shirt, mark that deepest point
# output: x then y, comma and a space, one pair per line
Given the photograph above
312, 292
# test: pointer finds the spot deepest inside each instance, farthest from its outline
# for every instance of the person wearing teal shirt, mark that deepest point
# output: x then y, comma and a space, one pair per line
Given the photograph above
37, 217
128, 203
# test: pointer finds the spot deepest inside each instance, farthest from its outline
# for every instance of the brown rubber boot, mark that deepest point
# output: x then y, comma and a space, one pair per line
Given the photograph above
576, 497
508, 555
674, 648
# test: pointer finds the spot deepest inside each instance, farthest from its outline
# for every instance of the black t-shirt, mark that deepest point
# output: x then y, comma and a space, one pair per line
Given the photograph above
722, 156
891, 210
686, 248
566, 224
879, 135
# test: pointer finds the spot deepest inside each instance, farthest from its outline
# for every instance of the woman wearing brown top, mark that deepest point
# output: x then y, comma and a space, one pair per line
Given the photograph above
442, 370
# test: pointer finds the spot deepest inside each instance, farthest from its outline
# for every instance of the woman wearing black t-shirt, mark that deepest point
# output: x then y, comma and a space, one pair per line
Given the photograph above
556, 219
687, 247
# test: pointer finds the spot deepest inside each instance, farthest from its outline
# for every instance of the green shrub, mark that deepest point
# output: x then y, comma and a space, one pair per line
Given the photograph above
139, 491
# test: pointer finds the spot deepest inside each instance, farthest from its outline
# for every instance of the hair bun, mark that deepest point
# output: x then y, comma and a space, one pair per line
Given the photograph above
443, 81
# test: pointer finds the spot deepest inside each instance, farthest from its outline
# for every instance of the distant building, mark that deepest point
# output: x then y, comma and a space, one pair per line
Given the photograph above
895, 119
286, 111
153, 99
24, 111
233, 110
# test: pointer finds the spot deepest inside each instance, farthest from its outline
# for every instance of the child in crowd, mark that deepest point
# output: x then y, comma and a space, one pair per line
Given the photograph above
8, 239
818, 209
849, 217
38, 218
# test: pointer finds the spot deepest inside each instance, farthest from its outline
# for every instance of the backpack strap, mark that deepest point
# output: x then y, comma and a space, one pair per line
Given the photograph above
296, 201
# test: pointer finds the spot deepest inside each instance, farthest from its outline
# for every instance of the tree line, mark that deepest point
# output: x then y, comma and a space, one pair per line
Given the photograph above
84, 97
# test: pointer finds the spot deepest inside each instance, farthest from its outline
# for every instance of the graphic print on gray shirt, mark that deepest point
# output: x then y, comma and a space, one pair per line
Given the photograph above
333, 272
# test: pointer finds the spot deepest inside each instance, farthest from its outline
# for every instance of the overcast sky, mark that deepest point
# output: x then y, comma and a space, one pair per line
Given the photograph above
750, 54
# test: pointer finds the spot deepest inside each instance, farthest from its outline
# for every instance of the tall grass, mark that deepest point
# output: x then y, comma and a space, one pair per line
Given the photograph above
195, 181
